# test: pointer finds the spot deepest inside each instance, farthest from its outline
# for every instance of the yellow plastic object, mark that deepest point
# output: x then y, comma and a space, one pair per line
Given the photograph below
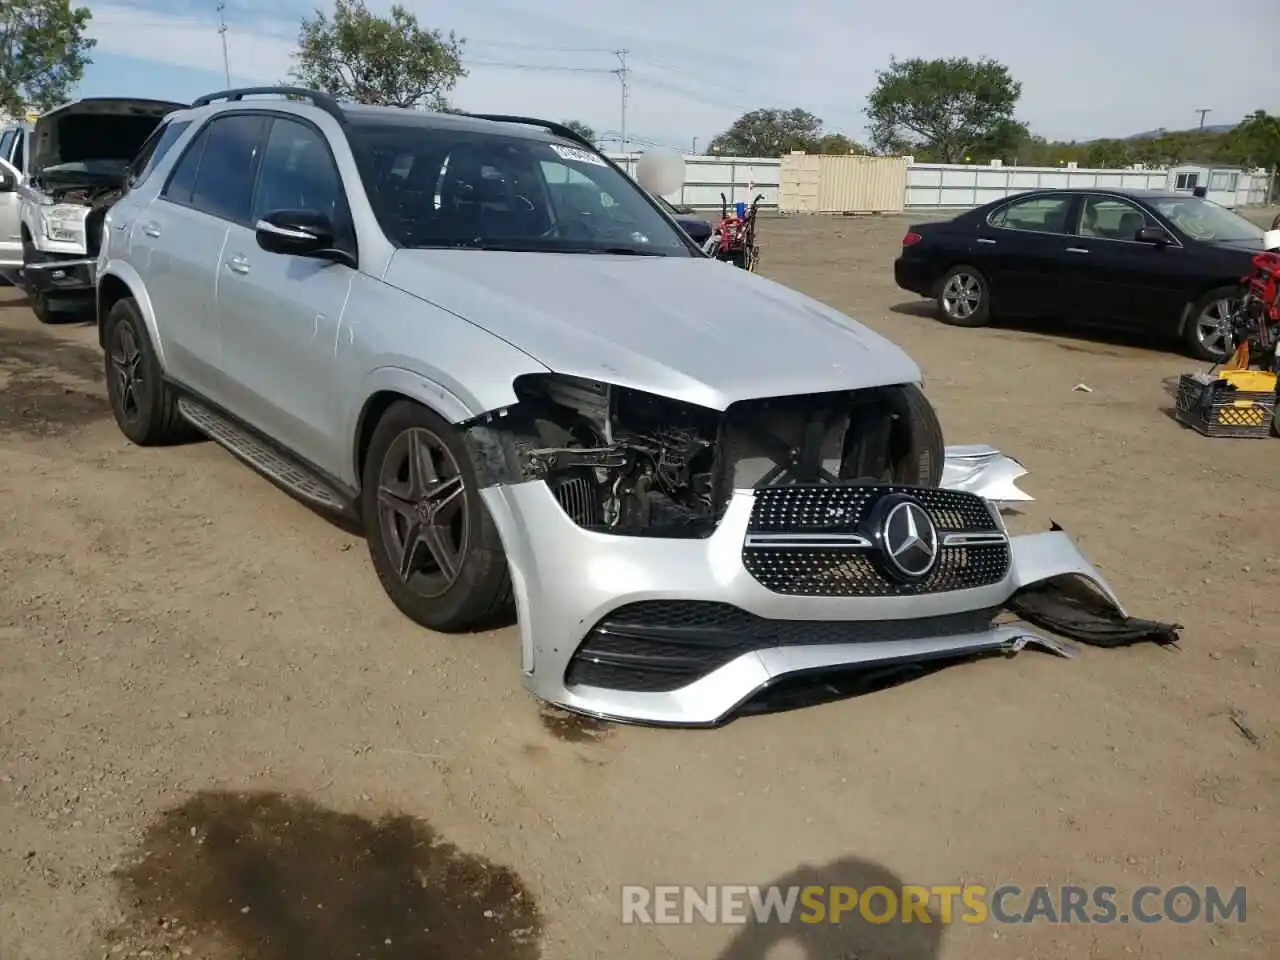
1253, 381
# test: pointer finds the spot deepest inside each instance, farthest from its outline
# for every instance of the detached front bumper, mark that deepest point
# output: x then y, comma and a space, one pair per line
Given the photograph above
683, 631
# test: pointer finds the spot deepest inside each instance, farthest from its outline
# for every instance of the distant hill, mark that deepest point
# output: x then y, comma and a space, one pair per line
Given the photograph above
1207, 128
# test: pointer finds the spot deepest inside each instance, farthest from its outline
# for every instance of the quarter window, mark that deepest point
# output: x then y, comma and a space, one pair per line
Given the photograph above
1111, 219
6, 144
154, 150
1035, 214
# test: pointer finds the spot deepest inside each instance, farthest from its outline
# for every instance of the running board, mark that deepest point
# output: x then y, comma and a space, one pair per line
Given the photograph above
274, 465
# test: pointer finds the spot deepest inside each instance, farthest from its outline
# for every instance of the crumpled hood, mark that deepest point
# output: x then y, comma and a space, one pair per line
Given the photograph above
96, 128
691, 329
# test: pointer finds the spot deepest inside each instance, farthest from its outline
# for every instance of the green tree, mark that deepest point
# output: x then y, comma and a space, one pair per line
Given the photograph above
43, 52
838, 143
581, 129
769, 133
1256, 141
944, 108
357, 55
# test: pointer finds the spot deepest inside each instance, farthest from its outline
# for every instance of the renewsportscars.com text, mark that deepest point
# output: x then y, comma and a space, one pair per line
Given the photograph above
945, 904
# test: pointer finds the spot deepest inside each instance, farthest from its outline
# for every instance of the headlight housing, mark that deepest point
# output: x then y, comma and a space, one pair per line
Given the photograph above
64, 222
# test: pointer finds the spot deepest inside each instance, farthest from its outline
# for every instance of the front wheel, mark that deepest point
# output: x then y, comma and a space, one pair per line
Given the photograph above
433, 543
964, 300
1208, 334
144, 406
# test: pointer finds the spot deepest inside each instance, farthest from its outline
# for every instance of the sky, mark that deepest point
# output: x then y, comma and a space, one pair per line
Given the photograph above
1088, 68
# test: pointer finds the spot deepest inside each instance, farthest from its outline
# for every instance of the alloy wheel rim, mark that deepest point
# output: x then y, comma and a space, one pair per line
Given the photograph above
126, 372
961, 296
422, 511
1213, 326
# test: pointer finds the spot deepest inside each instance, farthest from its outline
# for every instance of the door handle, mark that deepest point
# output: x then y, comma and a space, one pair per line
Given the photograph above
151, 229
1076, 250
985, 240
238, 265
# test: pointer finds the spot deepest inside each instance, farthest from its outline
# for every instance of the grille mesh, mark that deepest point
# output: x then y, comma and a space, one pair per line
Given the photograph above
824, 508
843, 572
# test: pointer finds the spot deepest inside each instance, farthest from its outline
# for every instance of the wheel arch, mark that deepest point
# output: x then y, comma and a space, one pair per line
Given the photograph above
118, 282
1200, 292
385, 387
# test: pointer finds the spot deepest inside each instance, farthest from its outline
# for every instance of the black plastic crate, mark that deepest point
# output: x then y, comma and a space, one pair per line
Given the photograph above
1217, 408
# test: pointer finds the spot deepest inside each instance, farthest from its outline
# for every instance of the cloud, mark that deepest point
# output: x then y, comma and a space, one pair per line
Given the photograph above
1090, 68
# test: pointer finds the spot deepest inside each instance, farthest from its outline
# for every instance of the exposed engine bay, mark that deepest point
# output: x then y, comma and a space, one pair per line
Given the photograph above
633, 463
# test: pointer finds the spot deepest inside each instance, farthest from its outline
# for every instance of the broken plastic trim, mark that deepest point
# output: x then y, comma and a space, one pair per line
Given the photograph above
1073, 606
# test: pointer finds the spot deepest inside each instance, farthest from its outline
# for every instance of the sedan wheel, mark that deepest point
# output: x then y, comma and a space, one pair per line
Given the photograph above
1209, 333
962, 298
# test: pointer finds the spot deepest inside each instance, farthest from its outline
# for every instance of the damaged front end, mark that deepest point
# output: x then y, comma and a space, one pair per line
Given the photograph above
669, 562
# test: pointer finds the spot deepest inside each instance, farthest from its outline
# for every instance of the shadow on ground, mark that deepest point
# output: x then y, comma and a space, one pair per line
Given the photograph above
852, 936
1096, 341
41, 383
264, 876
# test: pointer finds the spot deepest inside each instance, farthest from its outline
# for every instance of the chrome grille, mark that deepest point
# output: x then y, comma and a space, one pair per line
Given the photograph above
854, 568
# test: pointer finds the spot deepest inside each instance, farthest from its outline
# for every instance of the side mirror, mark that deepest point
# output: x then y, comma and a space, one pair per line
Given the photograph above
299, 233
7, 182
1157, 235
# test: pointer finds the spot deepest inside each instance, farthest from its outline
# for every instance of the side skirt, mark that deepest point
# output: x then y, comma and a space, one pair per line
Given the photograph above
303, 480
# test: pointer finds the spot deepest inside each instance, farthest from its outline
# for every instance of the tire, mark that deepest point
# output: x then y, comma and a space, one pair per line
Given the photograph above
397, 508
1275, 224
40, 307
1205, 310
145, 407
964, 299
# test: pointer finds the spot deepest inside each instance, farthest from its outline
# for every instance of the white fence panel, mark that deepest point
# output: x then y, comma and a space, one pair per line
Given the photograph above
738, 178
944, 185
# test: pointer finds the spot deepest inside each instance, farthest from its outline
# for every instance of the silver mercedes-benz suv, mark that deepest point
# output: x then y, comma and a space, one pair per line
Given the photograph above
482, 340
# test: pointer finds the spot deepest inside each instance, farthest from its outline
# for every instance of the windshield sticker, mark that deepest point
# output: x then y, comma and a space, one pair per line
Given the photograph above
577, 155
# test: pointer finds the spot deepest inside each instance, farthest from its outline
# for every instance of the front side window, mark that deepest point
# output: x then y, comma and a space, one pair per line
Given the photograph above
299, 173
1109, 218
1205, 220
1035, 214
459, 187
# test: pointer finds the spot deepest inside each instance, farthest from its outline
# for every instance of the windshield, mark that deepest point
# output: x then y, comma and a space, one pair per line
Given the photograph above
456, 187
1203, 220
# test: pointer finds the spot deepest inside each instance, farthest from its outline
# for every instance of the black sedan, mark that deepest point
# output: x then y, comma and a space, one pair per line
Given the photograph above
699, 230
1168, 264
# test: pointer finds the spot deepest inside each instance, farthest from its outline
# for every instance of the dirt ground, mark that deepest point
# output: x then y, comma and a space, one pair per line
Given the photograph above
219, 739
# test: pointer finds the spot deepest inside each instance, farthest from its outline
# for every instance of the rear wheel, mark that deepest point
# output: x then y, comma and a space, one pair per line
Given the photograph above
1208, 334
963, 298
433, 543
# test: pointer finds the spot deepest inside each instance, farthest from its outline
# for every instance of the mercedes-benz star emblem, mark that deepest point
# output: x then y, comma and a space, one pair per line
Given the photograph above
909, 539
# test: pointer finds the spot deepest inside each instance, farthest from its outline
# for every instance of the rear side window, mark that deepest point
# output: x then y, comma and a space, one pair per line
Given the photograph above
224, 184
216, 173
155, 149
1035, 214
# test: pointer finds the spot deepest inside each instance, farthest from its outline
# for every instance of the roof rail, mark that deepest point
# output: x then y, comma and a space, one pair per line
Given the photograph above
559, 129
322, 100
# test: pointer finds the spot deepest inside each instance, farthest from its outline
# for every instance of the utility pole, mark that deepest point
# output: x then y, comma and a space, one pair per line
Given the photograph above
622, 76
1202, 116
222, 32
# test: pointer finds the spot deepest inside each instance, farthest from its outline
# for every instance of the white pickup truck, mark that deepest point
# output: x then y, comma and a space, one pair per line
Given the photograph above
60, 177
